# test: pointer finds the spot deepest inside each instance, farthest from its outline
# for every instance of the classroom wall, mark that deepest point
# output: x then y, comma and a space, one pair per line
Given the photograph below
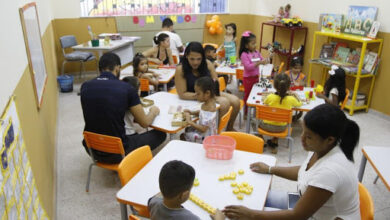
38, 127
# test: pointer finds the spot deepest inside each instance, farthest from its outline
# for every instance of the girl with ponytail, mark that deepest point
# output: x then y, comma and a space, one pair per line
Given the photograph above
327, 179
280, 99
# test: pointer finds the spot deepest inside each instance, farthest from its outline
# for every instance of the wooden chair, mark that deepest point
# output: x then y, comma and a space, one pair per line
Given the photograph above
240, 76
366, 203
345, 99
103, 143
246, 142
277, 115
224, 120
130, 166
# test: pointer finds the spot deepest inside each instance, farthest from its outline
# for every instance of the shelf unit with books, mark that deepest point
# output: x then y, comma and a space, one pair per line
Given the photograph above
288, 54
358, 74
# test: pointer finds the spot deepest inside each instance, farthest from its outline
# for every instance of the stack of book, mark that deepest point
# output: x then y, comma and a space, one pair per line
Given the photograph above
339, 54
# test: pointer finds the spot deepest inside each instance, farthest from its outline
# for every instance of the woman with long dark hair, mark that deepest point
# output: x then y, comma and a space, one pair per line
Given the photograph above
193, 66
160, 54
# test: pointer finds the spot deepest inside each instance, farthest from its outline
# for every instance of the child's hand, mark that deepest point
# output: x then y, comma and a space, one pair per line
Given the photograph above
320, 95
187, 115
218, 215
187, 111
259, 167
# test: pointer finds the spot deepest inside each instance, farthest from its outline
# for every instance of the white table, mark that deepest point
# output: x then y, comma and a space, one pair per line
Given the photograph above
254, 100
163, 100
165, 75
379, 160
227, 70
124, 48
216, 193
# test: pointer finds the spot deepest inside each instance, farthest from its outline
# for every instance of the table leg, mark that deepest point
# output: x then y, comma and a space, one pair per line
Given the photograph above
123, 211
166, 87
362, 167
248, 120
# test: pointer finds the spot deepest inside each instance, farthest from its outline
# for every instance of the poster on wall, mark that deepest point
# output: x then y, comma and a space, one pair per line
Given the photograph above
359, 20
32, 39
19, 197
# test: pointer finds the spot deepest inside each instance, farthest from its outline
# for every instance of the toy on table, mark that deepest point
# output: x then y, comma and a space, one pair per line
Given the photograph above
241, 189
280, 15
196, 182
287, 10
290, 22
231, 176
202, 204
178, 119
264, 83
319, 89
146, 102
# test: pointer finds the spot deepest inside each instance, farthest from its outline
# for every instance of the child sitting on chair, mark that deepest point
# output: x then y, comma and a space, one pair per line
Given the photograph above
130, 127
207, 124
141, 70
175, 180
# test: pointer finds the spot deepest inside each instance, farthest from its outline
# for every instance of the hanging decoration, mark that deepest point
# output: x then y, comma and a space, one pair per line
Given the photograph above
149, 19
135, 20
180, 19
187, 18
141, 22
214, 25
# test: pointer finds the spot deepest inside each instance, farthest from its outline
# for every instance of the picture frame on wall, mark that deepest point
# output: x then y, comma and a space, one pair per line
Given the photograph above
33, 41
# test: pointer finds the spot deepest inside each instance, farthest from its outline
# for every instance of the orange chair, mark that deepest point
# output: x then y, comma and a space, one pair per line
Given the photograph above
104, 143
240, 76
366, 203
242, 103
130, 166
211, 44
175, 59
246, 142
277, 115
144, 85
345, 99
280, 67
222, 84
133, 217
173, 91
224, 120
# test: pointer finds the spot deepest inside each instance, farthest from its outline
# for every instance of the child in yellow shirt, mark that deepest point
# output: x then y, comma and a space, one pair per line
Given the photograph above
280, 99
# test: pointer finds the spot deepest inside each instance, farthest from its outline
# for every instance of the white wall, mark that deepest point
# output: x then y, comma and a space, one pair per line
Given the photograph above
310, 10
13, 56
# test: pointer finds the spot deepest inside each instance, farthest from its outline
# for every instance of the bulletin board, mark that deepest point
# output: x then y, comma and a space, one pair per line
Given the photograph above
189, 27
19, 197
32, 38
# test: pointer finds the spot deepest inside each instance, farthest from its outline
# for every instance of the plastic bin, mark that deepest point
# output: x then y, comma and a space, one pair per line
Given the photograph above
66, 83
219, 147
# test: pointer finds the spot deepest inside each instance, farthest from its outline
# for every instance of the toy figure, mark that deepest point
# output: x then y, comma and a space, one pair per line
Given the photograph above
280, 15
287, 10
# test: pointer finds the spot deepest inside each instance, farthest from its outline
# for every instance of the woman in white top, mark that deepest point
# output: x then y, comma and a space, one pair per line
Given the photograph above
334, 90
327, 180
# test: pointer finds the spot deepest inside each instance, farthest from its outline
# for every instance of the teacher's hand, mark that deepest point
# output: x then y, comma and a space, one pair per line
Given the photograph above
237, 212
259, 167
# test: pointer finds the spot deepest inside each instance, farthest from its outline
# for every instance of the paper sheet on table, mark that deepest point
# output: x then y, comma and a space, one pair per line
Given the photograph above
266, 70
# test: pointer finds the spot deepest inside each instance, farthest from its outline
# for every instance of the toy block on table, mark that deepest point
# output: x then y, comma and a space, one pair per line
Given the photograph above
178, 119
208, 208
231, 176
196, 182
146, 102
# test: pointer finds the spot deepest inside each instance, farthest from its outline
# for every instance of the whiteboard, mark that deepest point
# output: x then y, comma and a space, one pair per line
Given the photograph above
34, 49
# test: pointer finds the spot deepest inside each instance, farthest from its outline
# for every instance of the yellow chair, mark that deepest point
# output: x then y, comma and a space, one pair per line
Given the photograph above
345, 99
222, 84
130, 166
103, 143
366, 203
173, 91
280, 67
240, 76
224, 120
246, 142
277, 115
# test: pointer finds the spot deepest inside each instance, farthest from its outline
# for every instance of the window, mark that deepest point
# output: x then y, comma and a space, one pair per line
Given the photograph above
150, 7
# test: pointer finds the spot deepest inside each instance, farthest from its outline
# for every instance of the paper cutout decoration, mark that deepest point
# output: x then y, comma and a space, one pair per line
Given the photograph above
150, 20
193, 19
180, 19
135, 20
174, 18
141, 22
187, 18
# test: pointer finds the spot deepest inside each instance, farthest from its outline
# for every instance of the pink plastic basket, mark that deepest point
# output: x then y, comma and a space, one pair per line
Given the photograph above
219, 147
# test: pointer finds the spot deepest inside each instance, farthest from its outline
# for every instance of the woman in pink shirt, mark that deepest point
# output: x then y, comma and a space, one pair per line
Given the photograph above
250, 59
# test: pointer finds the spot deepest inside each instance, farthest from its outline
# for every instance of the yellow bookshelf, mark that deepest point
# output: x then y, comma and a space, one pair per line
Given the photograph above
364, 41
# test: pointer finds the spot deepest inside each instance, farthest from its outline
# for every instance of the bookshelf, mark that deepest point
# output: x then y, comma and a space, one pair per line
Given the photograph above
289, 54
364, 42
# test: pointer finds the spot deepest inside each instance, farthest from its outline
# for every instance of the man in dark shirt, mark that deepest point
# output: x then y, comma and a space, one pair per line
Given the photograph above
105, 100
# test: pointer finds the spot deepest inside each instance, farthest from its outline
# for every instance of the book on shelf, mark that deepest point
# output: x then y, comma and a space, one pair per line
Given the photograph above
327, 50
371, 61
341, 53
331, 22
359, 20
354, 56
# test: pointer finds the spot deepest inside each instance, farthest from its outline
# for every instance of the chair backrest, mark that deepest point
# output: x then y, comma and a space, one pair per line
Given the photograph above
224, 120
366, 203
246, 142
144, 85
104, 143
222, 84
273, 114
280, 67
134, 162
68, 41
173, 91
345, 99
133, 217
239, 74
175, 59
211, 44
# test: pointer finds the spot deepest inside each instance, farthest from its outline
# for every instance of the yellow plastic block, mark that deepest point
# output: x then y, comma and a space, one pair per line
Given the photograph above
240, 171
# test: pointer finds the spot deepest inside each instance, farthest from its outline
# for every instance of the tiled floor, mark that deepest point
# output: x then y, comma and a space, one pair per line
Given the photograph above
100, 203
